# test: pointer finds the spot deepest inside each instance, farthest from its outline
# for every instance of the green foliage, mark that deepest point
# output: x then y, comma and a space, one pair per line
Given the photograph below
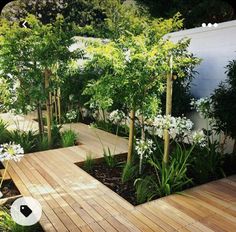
173, 177
133, 69
56, 136
7, 224
109, 158
68, 138
224, 102
4, 133
168, 178
194, 12
42, 143
88, 163
27, 139
144, 190
80, 12
129, 172
206, 164
26, 54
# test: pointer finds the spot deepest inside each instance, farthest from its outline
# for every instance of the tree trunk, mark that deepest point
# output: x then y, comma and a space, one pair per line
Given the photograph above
40, 120
55, 105
48, 107
59, 104
169, 89
143, 130
131, 136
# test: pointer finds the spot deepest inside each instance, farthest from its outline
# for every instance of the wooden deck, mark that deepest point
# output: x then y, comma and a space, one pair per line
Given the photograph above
72, 200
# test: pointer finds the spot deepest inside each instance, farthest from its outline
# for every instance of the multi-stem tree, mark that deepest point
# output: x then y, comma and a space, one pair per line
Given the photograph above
33, 63
133, 69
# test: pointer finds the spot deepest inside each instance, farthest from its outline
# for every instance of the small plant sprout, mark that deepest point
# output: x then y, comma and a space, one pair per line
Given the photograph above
89, 163
9, 151
109, 158
144, 148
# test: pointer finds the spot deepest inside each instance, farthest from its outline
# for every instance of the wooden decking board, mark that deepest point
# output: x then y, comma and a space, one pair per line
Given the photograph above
44, 190
55, 221
72, 200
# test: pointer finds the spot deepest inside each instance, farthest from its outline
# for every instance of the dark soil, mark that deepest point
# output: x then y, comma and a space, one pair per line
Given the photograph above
111, 177
1, 166
9, 189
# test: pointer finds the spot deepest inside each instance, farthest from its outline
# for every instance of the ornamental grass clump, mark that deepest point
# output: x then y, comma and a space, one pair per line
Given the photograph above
68, 138
9, 151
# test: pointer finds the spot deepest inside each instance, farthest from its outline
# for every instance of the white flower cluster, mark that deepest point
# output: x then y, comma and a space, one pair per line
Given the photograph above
204, 106
144, 147
11, 151
198, 137
180, 126
117, 117
71, 115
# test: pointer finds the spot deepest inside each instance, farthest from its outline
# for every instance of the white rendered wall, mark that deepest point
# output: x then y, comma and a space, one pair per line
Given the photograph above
216, 46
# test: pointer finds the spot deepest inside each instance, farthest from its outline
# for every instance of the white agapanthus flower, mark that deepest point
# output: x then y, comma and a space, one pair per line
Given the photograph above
198, 137
71, 115
144, 148
177, 127
204, 106
117, 117
11, 151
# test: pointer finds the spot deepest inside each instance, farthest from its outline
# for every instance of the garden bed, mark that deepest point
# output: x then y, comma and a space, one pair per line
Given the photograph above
112, 177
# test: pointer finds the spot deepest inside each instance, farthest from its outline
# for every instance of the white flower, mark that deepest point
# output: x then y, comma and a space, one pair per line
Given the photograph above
11, 151
144, 147
204, 106
177, 127
198, 137
117, 117
71, 115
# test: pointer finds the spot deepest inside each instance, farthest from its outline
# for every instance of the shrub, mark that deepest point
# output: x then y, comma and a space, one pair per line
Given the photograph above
27, 139
206, 163
224, 102
88, 163
68, 138
4, 133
